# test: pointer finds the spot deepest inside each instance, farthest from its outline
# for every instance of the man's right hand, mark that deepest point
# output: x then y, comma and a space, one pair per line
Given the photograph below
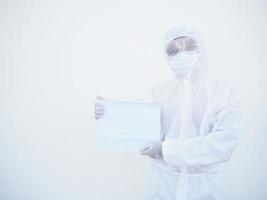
99, 107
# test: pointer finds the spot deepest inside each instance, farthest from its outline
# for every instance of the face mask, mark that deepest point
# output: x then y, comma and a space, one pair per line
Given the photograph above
184, 63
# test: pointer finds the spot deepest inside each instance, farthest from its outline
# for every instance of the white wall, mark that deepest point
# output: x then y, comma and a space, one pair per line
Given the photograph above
56, 55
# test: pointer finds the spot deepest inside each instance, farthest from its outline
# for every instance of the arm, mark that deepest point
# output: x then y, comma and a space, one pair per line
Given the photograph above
215, 147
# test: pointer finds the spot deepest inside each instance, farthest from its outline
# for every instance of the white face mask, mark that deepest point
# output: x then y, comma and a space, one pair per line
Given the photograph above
184, 63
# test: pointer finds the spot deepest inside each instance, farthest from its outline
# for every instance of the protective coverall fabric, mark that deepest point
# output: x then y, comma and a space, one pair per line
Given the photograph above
201, 122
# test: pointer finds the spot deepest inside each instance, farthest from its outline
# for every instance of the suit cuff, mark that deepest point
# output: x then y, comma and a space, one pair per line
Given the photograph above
172, 151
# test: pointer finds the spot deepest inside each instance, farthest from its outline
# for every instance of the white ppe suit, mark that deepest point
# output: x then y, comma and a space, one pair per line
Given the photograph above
201, 121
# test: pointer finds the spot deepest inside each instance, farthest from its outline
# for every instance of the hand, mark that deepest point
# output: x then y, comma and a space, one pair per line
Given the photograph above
153, 150
99, 108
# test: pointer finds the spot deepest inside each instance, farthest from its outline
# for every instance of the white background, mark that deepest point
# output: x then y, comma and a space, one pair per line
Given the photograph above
56, 55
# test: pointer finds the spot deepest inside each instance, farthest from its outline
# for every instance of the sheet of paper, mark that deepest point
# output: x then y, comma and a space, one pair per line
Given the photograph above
128, 126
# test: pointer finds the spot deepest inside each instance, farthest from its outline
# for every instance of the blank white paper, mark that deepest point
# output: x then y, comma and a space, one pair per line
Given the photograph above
127, 125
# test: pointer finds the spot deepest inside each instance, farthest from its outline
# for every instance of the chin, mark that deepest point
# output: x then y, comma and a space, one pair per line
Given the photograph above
180, 73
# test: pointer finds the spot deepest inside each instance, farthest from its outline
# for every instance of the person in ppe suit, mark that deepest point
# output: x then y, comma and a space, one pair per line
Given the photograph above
201, 120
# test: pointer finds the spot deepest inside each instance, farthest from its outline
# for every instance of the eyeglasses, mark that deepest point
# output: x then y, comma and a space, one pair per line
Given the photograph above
180, 44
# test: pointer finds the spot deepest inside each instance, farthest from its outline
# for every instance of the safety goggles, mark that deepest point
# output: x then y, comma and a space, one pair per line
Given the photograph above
181, 44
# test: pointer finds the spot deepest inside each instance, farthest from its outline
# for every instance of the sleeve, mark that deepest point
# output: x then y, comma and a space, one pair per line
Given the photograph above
215, 147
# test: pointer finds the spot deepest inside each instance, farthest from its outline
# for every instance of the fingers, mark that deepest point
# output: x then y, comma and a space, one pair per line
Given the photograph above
153, 150
146, 150
99, 113
156, 156
99, 106
100, 97
98, 116
99, 110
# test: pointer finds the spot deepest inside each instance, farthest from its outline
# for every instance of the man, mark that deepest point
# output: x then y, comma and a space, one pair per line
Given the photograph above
201, 121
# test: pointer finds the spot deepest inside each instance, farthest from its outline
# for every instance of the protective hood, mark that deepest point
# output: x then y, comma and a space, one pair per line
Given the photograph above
186, 64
